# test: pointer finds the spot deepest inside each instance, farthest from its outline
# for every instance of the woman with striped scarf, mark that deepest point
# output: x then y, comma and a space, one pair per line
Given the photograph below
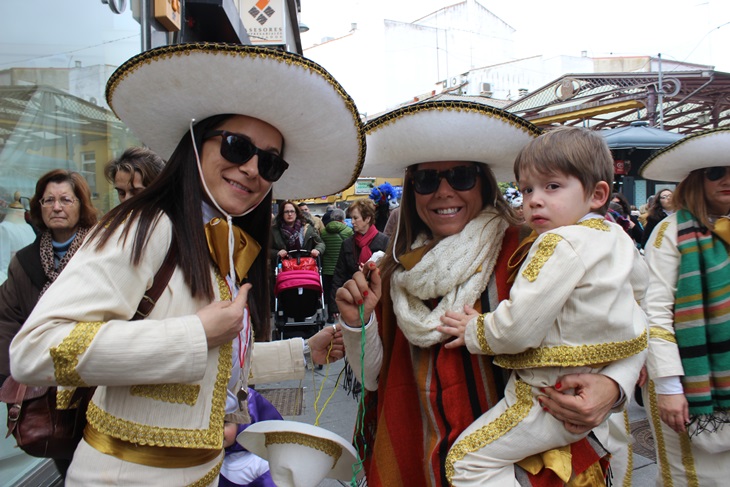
688, 394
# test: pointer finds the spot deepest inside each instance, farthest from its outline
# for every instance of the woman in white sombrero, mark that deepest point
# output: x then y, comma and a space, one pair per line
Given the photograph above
688, 301
452, 246
226, 118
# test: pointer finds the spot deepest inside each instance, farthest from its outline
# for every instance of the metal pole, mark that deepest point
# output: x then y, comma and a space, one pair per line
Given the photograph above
144, 25
661, 93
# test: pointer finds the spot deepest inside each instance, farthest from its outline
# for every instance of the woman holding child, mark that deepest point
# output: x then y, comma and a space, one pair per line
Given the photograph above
170, 383
689, 315
451, 252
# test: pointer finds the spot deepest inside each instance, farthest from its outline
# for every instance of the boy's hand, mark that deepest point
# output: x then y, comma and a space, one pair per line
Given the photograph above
454, 324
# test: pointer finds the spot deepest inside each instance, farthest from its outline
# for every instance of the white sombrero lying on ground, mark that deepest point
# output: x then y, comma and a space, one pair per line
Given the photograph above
158, 92
709, 148
446, 130
299, 454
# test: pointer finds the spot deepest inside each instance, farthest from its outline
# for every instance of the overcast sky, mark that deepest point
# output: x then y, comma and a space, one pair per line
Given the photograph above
682, 30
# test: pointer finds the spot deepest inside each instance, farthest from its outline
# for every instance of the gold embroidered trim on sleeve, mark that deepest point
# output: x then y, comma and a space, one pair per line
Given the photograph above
208, 478
660, 234
328, 447
174, 393
662, 334
596, 224
66, 355
492, 431
573, 356
544, 250
483, 345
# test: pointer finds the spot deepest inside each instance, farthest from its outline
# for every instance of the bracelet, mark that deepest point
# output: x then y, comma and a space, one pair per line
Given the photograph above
308, 363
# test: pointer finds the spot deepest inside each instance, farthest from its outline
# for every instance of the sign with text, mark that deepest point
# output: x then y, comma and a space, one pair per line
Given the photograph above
264, 21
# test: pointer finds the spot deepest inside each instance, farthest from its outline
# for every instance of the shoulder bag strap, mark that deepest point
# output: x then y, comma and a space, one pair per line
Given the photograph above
149, 300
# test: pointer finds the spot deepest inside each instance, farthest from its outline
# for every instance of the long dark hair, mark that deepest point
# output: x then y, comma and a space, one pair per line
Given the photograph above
410, 224
656, 210
178, 193
279, 220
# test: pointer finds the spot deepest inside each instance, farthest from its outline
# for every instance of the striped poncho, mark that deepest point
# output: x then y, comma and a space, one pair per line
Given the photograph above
702, 316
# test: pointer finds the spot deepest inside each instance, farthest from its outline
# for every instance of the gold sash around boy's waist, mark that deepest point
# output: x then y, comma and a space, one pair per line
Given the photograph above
151, 456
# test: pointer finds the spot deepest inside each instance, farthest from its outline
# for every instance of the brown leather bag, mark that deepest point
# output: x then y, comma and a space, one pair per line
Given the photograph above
42, 430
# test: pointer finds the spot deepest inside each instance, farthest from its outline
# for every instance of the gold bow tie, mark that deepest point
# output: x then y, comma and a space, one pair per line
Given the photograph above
518, 257
722, 229
245, 248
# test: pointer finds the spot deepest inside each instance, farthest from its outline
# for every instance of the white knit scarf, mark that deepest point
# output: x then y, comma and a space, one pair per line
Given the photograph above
457, 270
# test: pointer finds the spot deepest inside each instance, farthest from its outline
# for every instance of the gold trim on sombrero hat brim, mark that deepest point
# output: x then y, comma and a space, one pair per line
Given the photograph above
446, 130
156, 93
258, 437
708, 148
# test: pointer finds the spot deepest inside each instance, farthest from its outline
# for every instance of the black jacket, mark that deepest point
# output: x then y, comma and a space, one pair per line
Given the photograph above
347, 262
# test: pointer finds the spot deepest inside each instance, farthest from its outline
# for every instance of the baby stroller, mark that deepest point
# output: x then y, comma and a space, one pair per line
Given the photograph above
298, 296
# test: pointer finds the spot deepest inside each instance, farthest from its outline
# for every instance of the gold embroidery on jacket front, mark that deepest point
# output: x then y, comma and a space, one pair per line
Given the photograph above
173, 393
210, 437
660, 234
66, 355
544, 250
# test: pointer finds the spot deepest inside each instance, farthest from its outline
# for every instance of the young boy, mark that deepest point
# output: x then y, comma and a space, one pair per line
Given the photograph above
572, 309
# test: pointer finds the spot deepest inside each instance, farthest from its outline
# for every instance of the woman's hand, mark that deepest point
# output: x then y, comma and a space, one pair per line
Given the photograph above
593, 396
674, 411
223, 320
327, 345
283, 253
454, 324
314, 253
359, 290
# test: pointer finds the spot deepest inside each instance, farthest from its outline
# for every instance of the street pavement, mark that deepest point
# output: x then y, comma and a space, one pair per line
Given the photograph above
339, 415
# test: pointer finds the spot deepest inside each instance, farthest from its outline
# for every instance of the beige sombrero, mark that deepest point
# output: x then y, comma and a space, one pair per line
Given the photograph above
299, 454
156, 93
446, 130
709, 148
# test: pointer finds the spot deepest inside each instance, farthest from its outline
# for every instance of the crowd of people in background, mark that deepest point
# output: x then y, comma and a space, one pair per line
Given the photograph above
434, 284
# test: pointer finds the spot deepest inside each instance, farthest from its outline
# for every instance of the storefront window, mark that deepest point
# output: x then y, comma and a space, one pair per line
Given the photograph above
55, 58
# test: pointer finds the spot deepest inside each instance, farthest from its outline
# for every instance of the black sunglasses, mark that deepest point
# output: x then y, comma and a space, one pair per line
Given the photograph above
715, 173
239, 150
461, 178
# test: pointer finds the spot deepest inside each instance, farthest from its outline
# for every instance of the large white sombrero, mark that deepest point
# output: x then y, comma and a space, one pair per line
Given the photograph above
156, 93
445, 130
709, 148
299, 454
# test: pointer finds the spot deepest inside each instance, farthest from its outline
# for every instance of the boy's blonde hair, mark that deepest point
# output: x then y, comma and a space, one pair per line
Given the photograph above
573, 151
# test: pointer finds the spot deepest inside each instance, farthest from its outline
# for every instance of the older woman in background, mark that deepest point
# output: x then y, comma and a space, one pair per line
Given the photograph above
689, 313
356, 250
61, 209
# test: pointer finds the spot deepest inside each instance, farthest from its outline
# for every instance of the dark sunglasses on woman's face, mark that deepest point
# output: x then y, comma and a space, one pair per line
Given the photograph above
461, 178
715, 173
239, 150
